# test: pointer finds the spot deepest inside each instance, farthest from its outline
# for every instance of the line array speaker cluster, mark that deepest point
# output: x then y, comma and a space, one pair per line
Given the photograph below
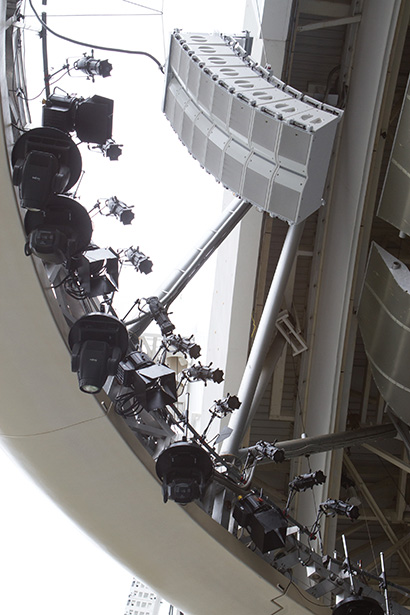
262, 139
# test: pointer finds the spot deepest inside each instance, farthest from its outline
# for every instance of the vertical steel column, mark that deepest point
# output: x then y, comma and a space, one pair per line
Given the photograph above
230, 217
263, 337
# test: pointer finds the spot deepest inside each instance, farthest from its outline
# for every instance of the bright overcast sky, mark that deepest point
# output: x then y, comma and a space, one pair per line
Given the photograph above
47, 566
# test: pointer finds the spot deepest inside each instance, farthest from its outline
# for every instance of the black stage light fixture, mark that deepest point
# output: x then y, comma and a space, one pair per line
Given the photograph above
185, 345
154, 384
270, 451
45, 161
226, 406
199, 372
138, 259
120, 210
160, 315
358, 605
338, 507
91, 118
265, 524
111, 149
97, 271
60, 233
185, 470
98, 342
307, 481
92, 67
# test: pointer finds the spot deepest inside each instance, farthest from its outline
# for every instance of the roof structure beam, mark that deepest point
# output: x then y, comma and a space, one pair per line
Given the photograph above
331, 23
388, 457
376, 510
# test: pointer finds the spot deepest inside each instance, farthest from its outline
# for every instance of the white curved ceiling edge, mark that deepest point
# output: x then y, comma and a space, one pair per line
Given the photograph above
94, 469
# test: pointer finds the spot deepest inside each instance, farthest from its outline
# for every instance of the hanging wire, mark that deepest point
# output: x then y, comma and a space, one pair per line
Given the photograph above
364, 516
142, 6
163, 31
76, 42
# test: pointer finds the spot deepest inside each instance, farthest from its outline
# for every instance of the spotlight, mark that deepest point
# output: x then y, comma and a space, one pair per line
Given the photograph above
358, 605
265, 524
111, 149
97, 271
204, 373
154, 384
92, 67
98, 342
139, 260
338, 507
307, 481
91, 118
220, 409
185, 470
45, 161
225, 406
270, 451
160, 315
185, 345
61, 232
120, 210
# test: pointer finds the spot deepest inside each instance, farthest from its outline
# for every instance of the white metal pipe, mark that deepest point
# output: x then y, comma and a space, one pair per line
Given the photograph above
272, 358
169, 291
263, 337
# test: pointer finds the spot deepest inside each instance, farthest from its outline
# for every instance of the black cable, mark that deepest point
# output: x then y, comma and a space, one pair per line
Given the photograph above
18, 127
51, 83
303, 594
75, 42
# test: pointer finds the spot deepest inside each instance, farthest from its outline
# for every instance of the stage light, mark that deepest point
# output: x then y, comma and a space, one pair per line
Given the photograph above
60, 233
185, 470
220, 409
111, 149
98, 342
338, 507
45, 162
139, 260
270, 451
265, 524
154, 384
97, 271
204, 373
120, 210
226, 406
358, 605
91, 118
92, 67
185, 345
160, 315
307, 481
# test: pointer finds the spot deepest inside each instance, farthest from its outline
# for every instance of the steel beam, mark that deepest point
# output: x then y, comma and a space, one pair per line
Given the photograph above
263, 337
265, 377
169, 291
388, 457
402, 429
331, 23
376, 510
328, 442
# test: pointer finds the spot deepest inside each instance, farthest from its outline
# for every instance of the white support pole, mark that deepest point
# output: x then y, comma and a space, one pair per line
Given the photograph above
263, 337
169, 291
